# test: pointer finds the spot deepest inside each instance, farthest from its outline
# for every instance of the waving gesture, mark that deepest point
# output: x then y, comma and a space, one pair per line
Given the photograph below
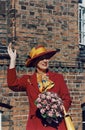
12, 55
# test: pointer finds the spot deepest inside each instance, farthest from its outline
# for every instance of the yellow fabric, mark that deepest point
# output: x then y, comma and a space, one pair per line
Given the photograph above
44, 83
36, 51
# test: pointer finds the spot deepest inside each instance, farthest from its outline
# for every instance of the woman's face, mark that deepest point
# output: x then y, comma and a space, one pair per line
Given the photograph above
43, 64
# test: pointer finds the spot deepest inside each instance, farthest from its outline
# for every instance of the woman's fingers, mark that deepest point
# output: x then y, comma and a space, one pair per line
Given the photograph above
11, 53
9, 45
9, 48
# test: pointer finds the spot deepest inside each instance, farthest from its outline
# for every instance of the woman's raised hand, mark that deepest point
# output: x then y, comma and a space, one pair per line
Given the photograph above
12, 55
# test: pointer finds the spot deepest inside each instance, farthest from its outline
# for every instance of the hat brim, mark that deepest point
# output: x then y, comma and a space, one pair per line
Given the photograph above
45, 55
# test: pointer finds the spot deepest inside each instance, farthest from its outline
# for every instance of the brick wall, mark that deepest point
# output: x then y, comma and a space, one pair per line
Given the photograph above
51, 23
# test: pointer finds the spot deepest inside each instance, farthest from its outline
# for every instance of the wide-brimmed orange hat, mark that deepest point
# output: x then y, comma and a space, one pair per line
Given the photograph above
39, 53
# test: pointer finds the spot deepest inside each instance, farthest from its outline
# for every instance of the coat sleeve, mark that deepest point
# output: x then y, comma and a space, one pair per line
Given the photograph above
64, 92
15, 83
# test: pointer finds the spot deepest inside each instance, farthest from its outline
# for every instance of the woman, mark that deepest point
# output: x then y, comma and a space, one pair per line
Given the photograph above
32, 84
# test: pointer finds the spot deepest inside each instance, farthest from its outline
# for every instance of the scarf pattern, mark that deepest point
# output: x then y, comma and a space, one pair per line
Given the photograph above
44, 83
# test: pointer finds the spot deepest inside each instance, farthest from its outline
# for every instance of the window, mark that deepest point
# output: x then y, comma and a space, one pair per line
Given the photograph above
82, 22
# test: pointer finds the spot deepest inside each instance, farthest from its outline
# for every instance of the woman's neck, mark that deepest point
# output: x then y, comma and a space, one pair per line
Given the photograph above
39, 71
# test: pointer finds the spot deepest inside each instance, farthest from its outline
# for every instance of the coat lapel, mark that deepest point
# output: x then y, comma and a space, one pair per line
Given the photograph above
34, 83
33, 80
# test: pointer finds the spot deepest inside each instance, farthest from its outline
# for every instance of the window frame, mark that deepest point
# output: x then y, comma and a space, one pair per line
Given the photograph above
81, 23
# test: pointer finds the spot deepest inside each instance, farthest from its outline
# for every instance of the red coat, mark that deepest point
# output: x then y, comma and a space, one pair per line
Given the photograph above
29, 84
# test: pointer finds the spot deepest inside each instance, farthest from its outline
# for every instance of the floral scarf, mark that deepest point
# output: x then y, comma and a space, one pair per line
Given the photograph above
44, 83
